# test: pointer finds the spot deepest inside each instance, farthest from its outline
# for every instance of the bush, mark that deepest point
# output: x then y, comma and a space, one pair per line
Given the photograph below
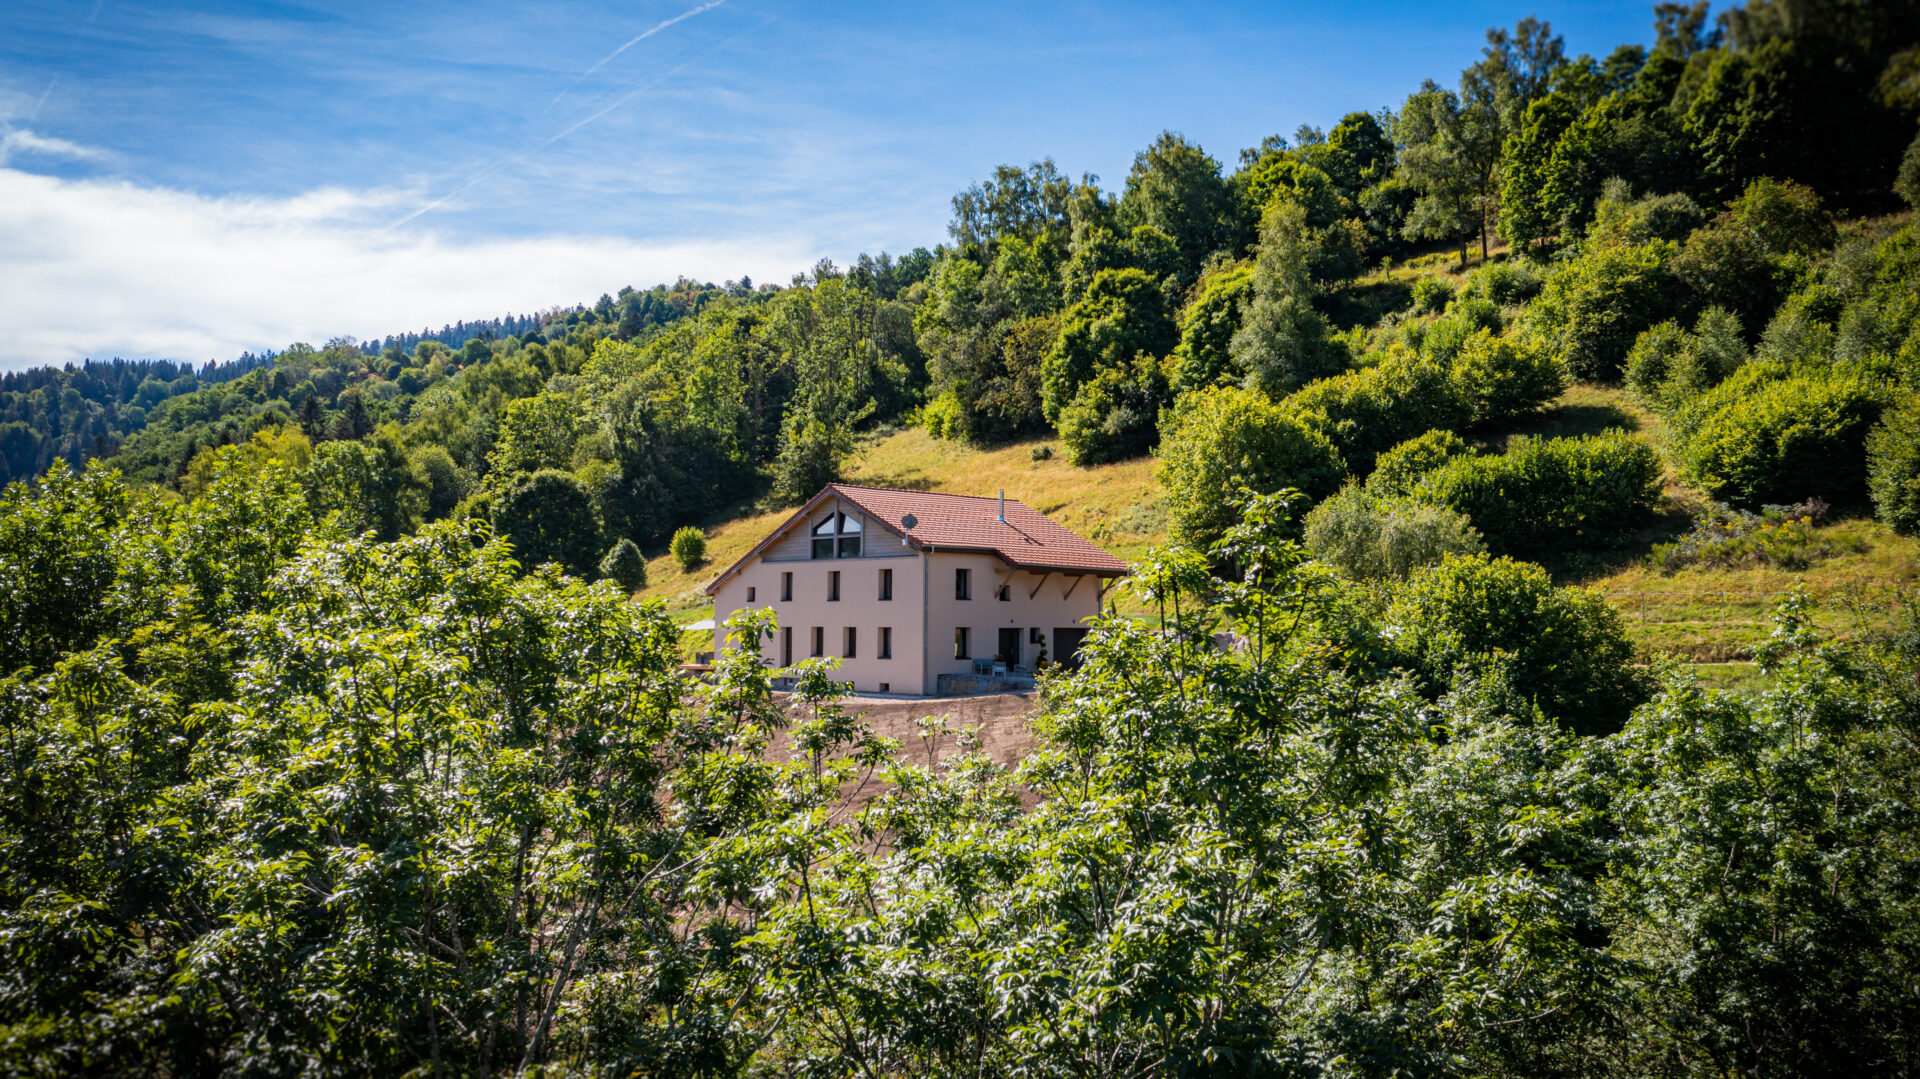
1506, 377
1669, 367
1592, 309
942, 417
1123, 315
548, 517
1432, 294
625, 566
1547, 493
1565, 648
1504, 283
1040, 453
1783, 536
1220, 440
1893, 467
1368, 410
1399, 469
689, 547
1907, 184
1443, 339
1368, 536
1783, 441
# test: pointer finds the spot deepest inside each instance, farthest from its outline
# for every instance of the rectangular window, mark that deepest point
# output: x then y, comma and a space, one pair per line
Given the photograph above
1006, 592
962, 641
853, 642
886, 584
886, 642
786, 587
833, 586
886, 687
849, 546
749, 593
819, 641
963, 584
786, 646
823, 548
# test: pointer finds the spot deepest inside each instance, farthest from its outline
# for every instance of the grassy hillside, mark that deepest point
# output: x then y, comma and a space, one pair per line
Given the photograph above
1707, 616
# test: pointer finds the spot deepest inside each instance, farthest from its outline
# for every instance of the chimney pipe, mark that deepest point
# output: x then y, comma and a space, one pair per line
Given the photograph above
1003, 505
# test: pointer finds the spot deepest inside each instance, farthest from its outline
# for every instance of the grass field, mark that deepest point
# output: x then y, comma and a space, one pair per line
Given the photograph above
1709, 617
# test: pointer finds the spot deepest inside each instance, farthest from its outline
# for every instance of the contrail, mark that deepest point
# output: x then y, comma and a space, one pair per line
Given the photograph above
644, 35
521, 155
35, 114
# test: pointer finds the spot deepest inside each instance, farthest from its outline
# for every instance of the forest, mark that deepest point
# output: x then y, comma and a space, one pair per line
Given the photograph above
337, 742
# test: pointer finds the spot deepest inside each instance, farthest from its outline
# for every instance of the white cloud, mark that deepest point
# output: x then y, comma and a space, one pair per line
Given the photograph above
103, 267
21, 141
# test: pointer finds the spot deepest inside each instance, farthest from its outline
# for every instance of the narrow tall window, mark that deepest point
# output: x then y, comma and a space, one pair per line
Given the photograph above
786, 646
786, 587
749, 593
819, 641
962, 642
886, 642
963, 584
1006, 593
853, 643
833, 586
886, 584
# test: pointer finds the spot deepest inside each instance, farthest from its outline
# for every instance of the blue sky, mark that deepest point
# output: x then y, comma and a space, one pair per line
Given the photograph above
191, 181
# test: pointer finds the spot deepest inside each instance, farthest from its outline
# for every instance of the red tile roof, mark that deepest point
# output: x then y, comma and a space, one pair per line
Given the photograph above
1027, 539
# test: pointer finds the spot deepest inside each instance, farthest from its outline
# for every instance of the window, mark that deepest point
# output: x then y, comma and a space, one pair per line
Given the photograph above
853, 643
1006, 592
786, 646
886, 687
963, 584
838, 536
886, 642
749, 593
819, 641
962, 641
786, 587
886, 584
833, 586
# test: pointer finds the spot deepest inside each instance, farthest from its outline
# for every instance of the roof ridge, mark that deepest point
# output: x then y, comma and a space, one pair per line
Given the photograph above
910, 491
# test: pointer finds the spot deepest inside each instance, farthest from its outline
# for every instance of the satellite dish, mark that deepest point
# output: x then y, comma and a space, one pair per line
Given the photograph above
909, 521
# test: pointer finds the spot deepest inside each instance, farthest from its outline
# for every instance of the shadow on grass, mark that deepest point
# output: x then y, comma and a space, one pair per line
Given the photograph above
1567, 420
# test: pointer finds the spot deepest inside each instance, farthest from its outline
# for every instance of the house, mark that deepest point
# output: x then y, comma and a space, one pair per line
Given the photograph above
904, 587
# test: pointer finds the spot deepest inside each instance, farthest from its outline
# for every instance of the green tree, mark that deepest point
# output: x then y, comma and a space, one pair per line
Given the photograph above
625, 566
1124, 314
1176, 188
1283, 342
548, 517
369, 485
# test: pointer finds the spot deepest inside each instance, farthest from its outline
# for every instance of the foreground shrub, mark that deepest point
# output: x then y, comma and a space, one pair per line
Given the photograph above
1784, 441
688, 547
1563, 648
1222, 441
1369, 536
1545, 493
1893, 467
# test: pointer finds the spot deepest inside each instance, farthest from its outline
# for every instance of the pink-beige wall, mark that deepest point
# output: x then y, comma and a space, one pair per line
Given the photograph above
924, 602
1037, 601
859, 607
